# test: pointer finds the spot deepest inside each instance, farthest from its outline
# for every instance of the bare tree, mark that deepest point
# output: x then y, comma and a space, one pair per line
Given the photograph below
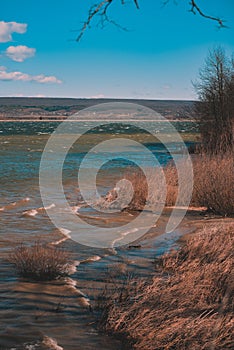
101, 9
215, 111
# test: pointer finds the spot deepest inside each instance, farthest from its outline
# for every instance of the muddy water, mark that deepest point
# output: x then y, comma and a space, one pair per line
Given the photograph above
58, 315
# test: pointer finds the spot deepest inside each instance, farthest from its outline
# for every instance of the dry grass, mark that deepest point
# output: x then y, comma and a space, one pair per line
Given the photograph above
213, 185
39, 262
140, 188
172, 184
188, 304
147, 192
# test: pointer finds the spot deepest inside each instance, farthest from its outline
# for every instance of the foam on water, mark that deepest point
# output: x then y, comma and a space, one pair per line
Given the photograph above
16, 204
82, 300
123, 235
48, 342
34, 212
66, 236
31, 212
91, 259
51, 343
72, 268
75, 208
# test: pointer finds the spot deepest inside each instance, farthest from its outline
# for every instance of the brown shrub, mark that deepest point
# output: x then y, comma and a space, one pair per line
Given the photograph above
187, 305
147, 192
140, 188
214, 183
172, 184
39, 262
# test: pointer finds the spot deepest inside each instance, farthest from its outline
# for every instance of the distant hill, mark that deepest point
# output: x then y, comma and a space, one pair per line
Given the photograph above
60, 108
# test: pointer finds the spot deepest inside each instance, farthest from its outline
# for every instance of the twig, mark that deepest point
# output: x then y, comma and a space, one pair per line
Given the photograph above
101, 8
196, 9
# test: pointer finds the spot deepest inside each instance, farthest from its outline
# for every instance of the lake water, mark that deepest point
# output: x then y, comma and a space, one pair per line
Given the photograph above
29, 316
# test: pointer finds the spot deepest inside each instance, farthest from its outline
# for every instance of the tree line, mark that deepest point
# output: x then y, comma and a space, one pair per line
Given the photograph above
215, 109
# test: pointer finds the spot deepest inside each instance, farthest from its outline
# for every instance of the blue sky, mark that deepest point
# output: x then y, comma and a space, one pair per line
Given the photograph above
157, 58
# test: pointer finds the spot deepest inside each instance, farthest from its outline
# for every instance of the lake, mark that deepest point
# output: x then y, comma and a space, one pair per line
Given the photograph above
28, 310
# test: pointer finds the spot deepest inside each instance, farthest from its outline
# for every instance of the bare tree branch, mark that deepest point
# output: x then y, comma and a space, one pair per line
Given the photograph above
101, 9
95, 9
196, 9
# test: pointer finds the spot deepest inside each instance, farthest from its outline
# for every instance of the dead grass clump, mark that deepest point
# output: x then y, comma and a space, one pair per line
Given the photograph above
214, 183
189, 303
40, 262
172, 184
147, 191
140, 188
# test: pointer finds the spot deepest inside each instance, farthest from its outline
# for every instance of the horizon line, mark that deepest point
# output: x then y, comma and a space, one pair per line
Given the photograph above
101, 98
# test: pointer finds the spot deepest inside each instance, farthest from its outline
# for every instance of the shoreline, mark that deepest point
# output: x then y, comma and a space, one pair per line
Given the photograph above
88, 281
183, 290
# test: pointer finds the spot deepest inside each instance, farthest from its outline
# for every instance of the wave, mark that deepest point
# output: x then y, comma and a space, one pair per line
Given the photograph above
51, 343
83, 300
48, 342
123, 235
31, 212
66, 236
35, 211
75, 208
16, 204
90, 259
72, 268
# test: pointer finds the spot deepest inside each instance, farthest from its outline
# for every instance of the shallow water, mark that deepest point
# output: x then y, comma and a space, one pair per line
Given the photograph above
56, 315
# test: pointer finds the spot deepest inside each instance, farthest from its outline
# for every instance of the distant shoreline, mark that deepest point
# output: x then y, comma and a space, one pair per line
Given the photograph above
95, 120
59, 109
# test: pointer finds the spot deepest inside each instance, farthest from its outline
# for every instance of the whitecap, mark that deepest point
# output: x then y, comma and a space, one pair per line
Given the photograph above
91, 259
46, 208
66, 235
75, 208
50, 206
122, 235
72, 268
83, 300
51, 343
15, 204
31, 212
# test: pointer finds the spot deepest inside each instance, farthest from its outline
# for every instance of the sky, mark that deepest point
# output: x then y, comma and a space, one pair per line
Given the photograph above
156, 57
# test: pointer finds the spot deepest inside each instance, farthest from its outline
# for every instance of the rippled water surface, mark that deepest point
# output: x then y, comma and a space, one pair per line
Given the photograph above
57, 315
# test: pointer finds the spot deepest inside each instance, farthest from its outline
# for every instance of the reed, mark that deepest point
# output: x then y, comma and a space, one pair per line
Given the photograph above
214, 182
213, 185
187, 305
40, 262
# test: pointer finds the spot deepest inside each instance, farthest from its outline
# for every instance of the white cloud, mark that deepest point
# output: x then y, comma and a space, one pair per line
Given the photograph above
46, 79
20, 53
7, 28
19, 76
